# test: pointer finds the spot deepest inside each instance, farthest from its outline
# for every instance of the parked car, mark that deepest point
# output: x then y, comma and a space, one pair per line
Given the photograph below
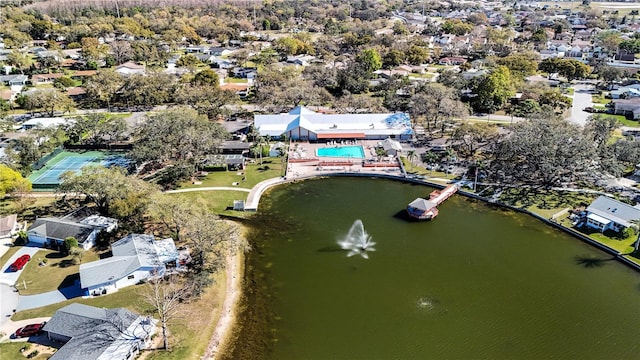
29, 330
20, 262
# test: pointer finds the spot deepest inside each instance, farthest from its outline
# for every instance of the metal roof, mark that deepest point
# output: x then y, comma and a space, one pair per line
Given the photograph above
614, 210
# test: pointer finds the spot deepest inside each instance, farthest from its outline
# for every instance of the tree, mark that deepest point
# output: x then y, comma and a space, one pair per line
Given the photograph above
520, 64
524, 108
114, 193
174, 212
189, 61
121, 51
19, 60
210, 240
206, 99
11, 181
393, 58
417, 55
456, 27
599, 129
63, 82
92, 50
555, 100
473, 137
609, 74
546, 151
569, 68
206, 77
48, 100
176, 135
369, 60
97, 128
147, 90
70, 243
166, 296
411, 155
103, 86
494, 90
609, 39
436, 103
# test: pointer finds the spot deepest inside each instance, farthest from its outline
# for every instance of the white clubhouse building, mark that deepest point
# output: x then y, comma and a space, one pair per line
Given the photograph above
307, 125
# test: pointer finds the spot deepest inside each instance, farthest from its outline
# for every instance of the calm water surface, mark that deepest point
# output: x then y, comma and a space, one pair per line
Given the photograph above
475, 283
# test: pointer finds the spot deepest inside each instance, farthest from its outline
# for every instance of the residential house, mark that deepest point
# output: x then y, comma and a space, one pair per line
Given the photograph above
452, 60
130, 68
234, 147
627, 107
76, 93
200, 49
626, 92
14, 80
51, 232
220, 51
83, 74
90, 332
606, 213
39, 79
54, 54
136, 257
9, 226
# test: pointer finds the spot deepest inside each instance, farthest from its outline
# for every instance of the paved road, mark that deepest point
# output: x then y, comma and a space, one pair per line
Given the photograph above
9, 301
581, 100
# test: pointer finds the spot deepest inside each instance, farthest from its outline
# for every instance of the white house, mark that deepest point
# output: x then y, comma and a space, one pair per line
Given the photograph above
391, 147
606, 213
89, 332
9, 226
136, 257
130, 68
304, 124
51, 232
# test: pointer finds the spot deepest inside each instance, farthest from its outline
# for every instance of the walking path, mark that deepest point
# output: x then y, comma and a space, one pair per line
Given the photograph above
212, 188
229, 307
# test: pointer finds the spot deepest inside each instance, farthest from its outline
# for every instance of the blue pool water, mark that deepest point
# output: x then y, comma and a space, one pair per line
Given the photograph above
342, 151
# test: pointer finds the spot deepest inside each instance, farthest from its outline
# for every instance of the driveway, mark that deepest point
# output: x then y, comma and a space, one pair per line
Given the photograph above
27, 302
581, 100
10, 277
8, 303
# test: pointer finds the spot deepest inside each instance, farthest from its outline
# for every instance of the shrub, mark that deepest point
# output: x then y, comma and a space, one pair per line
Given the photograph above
33, 354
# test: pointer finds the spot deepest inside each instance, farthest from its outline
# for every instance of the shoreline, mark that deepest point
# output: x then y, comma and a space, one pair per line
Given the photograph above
228, 313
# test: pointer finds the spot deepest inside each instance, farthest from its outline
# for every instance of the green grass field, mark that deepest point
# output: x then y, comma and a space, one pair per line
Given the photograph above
59, 272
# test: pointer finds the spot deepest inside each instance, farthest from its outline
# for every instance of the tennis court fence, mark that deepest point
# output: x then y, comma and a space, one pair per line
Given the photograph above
43, 161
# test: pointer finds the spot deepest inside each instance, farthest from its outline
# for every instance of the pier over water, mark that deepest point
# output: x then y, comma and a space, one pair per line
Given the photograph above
423, 209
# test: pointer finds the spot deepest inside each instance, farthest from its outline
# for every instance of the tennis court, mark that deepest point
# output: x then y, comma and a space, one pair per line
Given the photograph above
49, 176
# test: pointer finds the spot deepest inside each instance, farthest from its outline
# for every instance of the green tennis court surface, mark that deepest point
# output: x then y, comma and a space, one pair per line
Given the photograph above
49, 175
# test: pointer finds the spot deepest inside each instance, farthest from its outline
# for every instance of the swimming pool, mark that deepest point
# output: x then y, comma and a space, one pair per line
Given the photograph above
341, 151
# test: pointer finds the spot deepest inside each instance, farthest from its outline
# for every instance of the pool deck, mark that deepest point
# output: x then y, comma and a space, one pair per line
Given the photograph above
303, 161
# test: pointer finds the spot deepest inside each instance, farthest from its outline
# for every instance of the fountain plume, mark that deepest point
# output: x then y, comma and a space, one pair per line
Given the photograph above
357, 241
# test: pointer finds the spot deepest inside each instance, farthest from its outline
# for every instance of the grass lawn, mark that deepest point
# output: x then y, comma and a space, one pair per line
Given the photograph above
624, 121
599, 99
236, 80
219, 202
191, 332
253, 174
6, 256
544, 202
11, 351
428, 174
128, 297
58, 273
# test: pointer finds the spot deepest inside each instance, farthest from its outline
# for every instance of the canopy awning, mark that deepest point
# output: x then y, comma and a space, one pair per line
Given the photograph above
341, 136
598, 219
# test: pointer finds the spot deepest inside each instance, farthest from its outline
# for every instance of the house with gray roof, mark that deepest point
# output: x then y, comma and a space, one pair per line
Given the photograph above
136, 257
97, 333
606, 213
51, 232
14, 80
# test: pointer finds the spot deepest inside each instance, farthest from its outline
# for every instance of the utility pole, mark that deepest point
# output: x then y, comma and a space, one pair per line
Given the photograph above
117, 9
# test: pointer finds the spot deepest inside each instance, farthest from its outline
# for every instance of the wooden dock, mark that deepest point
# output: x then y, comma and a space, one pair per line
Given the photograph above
423, 209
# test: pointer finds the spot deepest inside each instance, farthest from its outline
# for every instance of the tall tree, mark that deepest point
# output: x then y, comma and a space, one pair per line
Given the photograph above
494, 90
112, 190
546, 152
166, 297
11, 181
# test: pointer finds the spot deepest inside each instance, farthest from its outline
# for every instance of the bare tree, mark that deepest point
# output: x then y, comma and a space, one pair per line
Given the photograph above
166, 297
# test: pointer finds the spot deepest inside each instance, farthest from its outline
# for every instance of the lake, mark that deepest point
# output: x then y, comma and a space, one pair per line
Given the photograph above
478, 282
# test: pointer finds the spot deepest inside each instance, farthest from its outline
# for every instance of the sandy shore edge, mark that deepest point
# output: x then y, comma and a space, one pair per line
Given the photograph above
233, 289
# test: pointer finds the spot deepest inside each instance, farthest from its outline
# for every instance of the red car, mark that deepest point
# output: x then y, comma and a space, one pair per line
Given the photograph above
20, 262
29, 330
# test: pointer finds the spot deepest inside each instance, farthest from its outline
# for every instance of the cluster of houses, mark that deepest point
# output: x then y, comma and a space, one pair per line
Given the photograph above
135, 258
